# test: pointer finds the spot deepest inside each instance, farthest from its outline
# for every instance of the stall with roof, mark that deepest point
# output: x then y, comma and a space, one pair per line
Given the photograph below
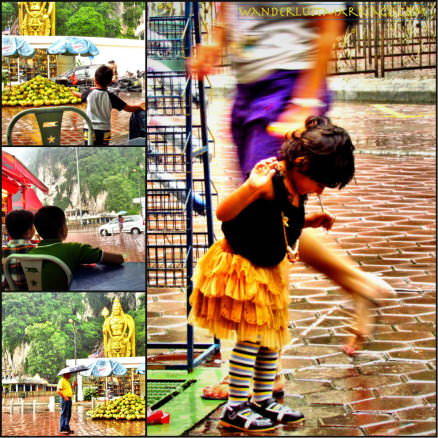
17, 190
14, 48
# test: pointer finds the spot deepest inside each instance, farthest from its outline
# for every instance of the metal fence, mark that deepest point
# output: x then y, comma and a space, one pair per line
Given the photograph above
388, 36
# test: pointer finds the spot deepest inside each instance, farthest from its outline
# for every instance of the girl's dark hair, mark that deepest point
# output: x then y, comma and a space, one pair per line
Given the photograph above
327, 149
103, 75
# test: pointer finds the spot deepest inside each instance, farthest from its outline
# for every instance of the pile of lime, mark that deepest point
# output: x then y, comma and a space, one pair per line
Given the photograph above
38, 91
128, 407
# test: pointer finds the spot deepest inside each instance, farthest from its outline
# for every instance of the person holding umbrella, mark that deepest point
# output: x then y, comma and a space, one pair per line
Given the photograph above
65, 390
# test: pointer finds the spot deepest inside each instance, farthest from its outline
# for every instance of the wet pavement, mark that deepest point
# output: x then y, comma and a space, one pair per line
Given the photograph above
45, 423
26, 132
386, 222
132, 246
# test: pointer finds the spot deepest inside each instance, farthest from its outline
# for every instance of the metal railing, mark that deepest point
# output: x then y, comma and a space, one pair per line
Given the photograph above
389, 36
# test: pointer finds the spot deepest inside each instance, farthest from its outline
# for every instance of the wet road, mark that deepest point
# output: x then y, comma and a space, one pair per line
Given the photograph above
44, 423
386, 221
132, 246
26, 132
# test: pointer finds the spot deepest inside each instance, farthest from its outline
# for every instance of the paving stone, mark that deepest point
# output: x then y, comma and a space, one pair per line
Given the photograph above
413, 389
355, 420
392, 428
324, 374
339, 397
405, 337
413, 355
303, 387
418, 414
365, 382
425, 375
419, 428
385, 404
405, 310
391, 368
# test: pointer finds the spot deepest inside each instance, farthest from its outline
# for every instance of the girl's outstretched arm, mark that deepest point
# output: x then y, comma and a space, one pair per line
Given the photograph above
257, 185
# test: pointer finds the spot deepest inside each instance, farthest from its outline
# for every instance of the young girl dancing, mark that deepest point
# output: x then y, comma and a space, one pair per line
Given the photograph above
240, 285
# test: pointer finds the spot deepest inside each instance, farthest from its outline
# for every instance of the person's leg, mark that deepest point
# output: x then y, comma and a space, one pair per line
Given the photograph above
315, 249
237, 413
263, 401
62, 420
70, 404
242, 362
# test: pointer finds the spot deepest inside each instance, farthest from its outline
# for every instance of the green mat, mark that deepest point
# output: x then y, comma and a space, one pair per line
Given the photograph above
181, 392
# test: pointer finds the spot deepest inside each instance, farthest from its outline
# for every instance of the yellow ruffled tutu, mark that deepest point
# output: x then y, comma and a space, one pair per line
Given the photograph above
237, 300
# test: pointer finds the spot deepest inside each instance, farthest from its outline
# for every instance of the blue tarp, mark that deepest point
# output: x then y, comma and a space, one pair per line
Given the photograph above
104, 368
73, 46
16, 46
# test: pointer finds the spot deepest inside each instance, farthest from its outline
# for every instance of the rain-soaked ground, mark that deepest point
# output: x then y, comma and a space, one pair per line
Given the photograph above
132, 246
45, 423
26, 132
386, 222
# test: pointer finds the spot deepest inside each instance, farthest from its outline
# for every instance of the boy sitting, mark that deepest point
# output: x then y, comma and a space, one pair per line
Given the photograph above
51, 225
100, 102
19, 225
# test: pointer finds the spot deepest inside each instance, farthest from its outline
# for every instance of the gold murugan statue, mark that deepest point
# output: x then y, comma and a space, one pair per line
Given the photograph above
36, 18
118, 332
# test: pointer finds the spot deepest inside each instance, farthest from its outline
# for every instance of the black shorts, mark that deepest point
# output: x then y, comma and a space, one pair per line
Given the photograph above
100, 138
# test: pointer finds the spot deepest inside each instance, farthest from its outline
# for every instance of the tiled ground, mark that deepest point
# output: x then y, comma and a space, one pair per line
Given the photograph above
386, 222
26, 130
44, 423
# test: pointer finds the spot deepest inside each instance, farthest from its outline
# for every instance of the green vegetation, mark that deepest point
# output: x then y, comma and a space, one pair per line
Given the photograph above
42, 321
117, 171
98, 19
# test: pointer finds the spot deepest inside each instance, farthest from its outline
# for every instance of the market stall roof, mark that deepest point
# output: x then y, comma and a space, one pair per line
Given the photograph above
73, 46
15, 46
104, 368
16, 171
33, 204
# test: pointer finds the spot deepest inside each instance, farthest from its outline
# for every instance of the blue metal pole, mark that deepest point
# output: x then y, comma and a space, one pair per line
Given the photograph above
189, 181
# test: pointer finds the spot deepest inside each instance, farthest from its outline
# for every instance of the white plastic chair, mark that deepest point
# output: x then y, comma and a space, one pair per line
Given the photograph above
32, 265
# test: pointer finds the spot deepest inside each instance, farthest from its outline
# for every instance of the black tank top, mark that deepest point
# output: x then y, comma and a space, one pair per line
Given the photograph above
256, 233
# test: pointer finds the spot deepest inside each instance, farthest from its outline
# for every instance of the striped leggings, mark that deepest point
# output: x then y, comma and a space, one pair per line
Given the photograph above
251, 361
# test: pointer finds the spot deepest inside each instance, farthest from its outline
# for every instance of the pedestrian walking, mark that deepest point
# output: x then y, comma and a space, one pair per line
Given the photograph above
120, 221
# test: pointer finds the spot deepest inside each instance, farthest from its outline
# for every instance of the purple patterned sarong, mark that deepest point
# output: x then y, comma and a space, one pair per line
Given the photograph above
258, 104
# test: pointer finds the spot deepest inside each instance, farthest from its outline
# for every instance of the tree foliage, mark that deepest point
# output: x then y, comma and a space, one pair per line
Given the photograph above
98, 19
117, 171
42, 321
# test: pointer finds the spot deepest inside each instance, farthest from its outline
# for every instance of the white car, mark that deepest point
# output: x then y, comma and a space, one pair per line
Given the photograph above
131, 224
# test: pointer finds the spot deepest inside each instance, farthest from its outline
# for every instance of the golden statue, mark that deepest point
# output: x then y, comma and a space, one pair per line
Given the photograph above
118, 332
39, 19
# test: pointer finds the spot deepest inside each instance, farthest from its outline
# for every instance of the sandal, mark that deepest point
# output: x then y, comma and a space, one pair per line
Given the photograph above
215, 392
220, 390
276, 412
243, 417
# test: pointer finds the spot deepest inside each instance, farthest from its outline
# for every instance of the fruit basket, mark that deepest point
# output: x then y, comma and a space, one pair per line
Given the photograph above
38, 92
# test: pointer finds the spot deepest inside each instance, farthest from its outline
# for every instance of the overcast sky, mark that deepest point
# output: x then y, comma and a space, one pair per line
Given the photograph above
25, 155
